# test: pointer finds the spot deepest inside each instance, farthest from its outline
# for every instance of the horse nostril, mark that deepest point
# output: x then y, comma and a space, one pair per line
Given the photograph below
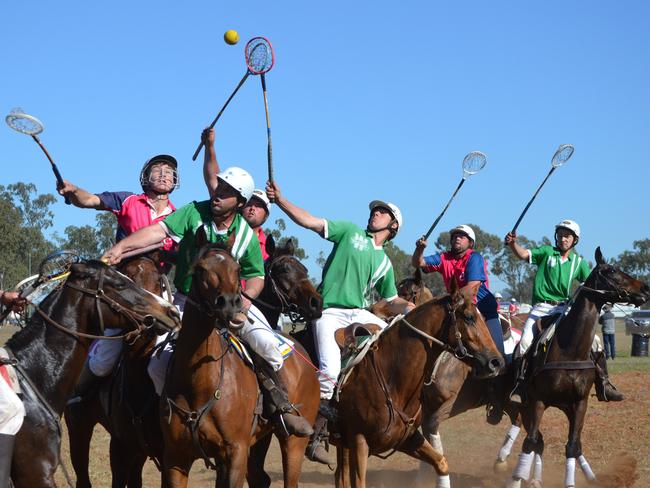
220, 302
315, 303
495, 364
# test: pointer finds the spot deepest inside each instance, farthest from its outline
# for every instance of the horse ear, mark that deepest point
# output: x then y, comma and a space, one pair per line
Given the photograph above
457, 298
599, 256
290, 247
270, 246
201, 238
417, 276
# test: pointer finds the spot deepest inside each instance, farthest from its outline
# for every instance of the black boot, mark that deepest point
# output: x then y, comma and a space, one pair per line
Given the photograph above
6, 455
605, 390
318, 447
277, 400
87, 385
517, 394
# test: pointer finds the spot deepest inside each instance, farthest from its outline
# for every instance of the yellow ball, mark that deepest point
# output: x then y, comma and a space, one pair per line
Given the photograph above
231, 37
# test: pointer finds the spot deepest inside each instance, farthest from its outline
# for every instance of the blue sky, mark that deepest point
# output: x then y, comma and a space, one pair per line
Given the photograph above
367, 100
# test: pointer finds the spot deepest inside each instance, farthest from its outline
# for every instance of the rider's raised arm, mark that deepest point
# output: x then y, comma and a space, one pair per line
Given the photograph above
417, 260
295, 213
80, 197
147, 236
210, 164
520, 252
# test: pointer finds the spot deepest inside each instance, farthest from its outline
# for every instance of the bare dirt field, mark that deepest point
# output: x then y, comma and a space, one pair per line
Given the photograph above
612, 432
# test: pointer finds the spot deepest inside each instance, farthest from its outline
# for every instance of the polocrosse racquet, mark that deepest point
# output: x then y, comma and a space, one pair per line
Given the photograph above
30, 125
561, 156
259, 60
472, 164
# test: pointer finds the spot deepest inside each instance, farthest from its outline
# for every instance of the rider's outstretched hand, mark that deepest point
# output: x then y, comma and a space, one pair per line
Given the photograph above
112, 256
13, 300
511, 238
273, 191
207, 137
421, 243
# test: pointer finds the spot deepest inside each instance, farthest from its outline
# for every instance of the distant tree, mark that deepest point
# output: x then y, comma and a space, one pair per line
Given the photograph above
83, 240
105, 226
637, 261
280, 239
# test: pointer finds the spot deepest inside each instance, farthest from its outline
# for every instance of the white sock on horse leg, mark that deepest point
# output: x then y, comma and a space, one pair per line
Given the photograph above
444, 482
511, 437
570, 474
586, 469
436, 442
522, 471
537, 470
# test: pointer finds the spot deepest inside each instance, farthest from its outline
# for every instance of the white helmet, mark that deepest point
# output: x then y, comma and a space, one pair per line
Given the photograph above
261, 195
513, 299
239, 179
394, 210
569, 225
465, 229
498, 296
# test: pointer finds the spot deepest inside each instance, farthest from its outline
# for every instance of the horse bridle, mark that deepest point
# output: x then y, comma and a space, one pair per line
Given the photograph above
142, 323
621, 293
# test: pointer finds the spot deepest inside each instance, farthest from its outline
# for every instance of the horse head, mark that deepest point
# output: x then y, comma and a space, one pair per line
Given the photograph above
119, 302
470, 336
413, 289
145, 270
287, 283
613, 285
216, 286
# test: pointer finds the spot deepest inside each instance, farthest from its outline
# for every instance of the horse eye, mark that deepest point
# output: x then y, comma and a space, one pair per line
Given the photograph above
469, 319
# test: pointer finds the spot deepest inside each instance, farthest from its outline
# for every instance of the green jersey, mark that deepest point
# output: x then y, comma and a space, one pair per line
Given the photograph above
183, 225
354, 267
554, 278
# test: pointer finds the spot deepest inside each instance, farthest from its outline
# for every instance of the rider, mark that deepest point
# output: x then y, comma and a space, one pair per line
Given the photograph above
12, 410
468, 268
513, 308
220, 217
257, 209
357, 265
498, 297
158, 179
557, 267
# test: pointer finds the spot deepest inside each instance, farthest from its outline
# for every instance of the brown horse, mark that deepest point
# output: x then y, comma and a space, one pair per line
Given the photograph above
563, 377
52, 349
380, 403
412, 289
288, 289
126, 404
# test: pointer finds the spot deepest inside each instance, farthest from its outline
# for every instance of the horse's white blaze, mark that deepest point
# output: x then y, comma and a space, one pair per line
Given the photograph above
570, 473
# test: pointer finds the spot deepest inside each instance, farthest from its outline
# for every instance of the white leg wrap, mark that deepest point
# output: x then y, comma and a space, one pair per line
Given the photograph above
586, 469
506, 448
525, 463
570, 475
512, 483
436, 442
537, 469
444, 481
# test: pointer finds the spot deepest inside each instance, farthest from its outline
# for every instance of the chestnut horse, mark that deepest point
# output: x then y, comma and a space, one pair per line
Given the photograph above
126, 404
52, 348
563, 377
380, 403
288, 290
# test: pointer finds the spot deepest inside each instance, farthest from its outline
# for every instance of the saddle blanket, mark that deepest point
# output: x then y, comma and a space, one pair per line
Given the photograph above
8, 372
284, 345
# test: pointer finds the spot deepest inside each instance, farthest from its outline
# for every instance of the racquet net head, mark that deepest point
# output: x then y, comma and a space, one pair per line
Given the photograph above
22, 122
56, 265
259, 55
562, 155
473, 163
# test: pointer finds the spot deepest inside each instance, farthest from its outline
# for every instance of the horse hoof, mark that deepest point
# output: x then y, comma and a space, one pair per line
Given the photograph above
500, 466
535, 484
512, 483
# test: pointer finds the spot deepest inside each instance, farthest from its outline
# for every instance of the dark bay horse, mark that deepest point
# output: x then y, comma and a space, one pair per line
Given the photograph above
52, 349
288, 289
564, 377
380, 403
126, 404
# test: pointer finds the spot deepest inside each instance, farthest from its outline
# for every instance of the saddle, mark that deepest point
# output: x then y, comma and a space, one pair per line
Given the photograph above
8, 372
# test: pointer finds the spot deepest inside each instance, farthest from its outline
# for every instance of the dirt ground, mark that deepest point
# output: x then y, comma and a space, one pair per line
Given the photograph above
614, 433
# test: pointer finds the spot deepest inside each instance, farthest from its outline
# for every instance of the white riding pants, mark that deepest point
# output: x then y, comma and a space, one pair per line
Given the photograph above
104, 354
329, 353
12, 410
256, 332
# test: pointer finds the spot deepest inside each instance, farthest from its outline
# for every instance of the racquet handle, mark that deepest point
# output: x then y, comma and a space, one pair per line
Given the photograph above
514, 229
433, 226
56, 171
269, 147
214, 122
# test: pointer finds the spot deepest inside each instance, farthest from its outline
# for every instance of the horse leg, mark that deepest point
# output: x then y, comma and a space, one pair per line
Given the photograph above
135, 470
293, 453
525, 463
80, 426
256, 476
359, 452
176, 468
342, 473
418, 447
501, 464
236, 460
576, 416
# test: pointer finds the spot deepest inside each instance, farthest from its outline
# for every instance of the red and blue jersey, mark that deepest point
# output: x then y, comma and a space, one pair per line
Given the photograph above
470, 267
133, 212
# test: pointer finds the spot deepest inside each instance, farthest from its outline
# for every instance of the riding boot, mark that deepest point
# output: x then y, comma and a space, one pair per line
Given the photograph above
6, 455
87, 385
494, 405
605, 390
318, 447
277, 402
517, 394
